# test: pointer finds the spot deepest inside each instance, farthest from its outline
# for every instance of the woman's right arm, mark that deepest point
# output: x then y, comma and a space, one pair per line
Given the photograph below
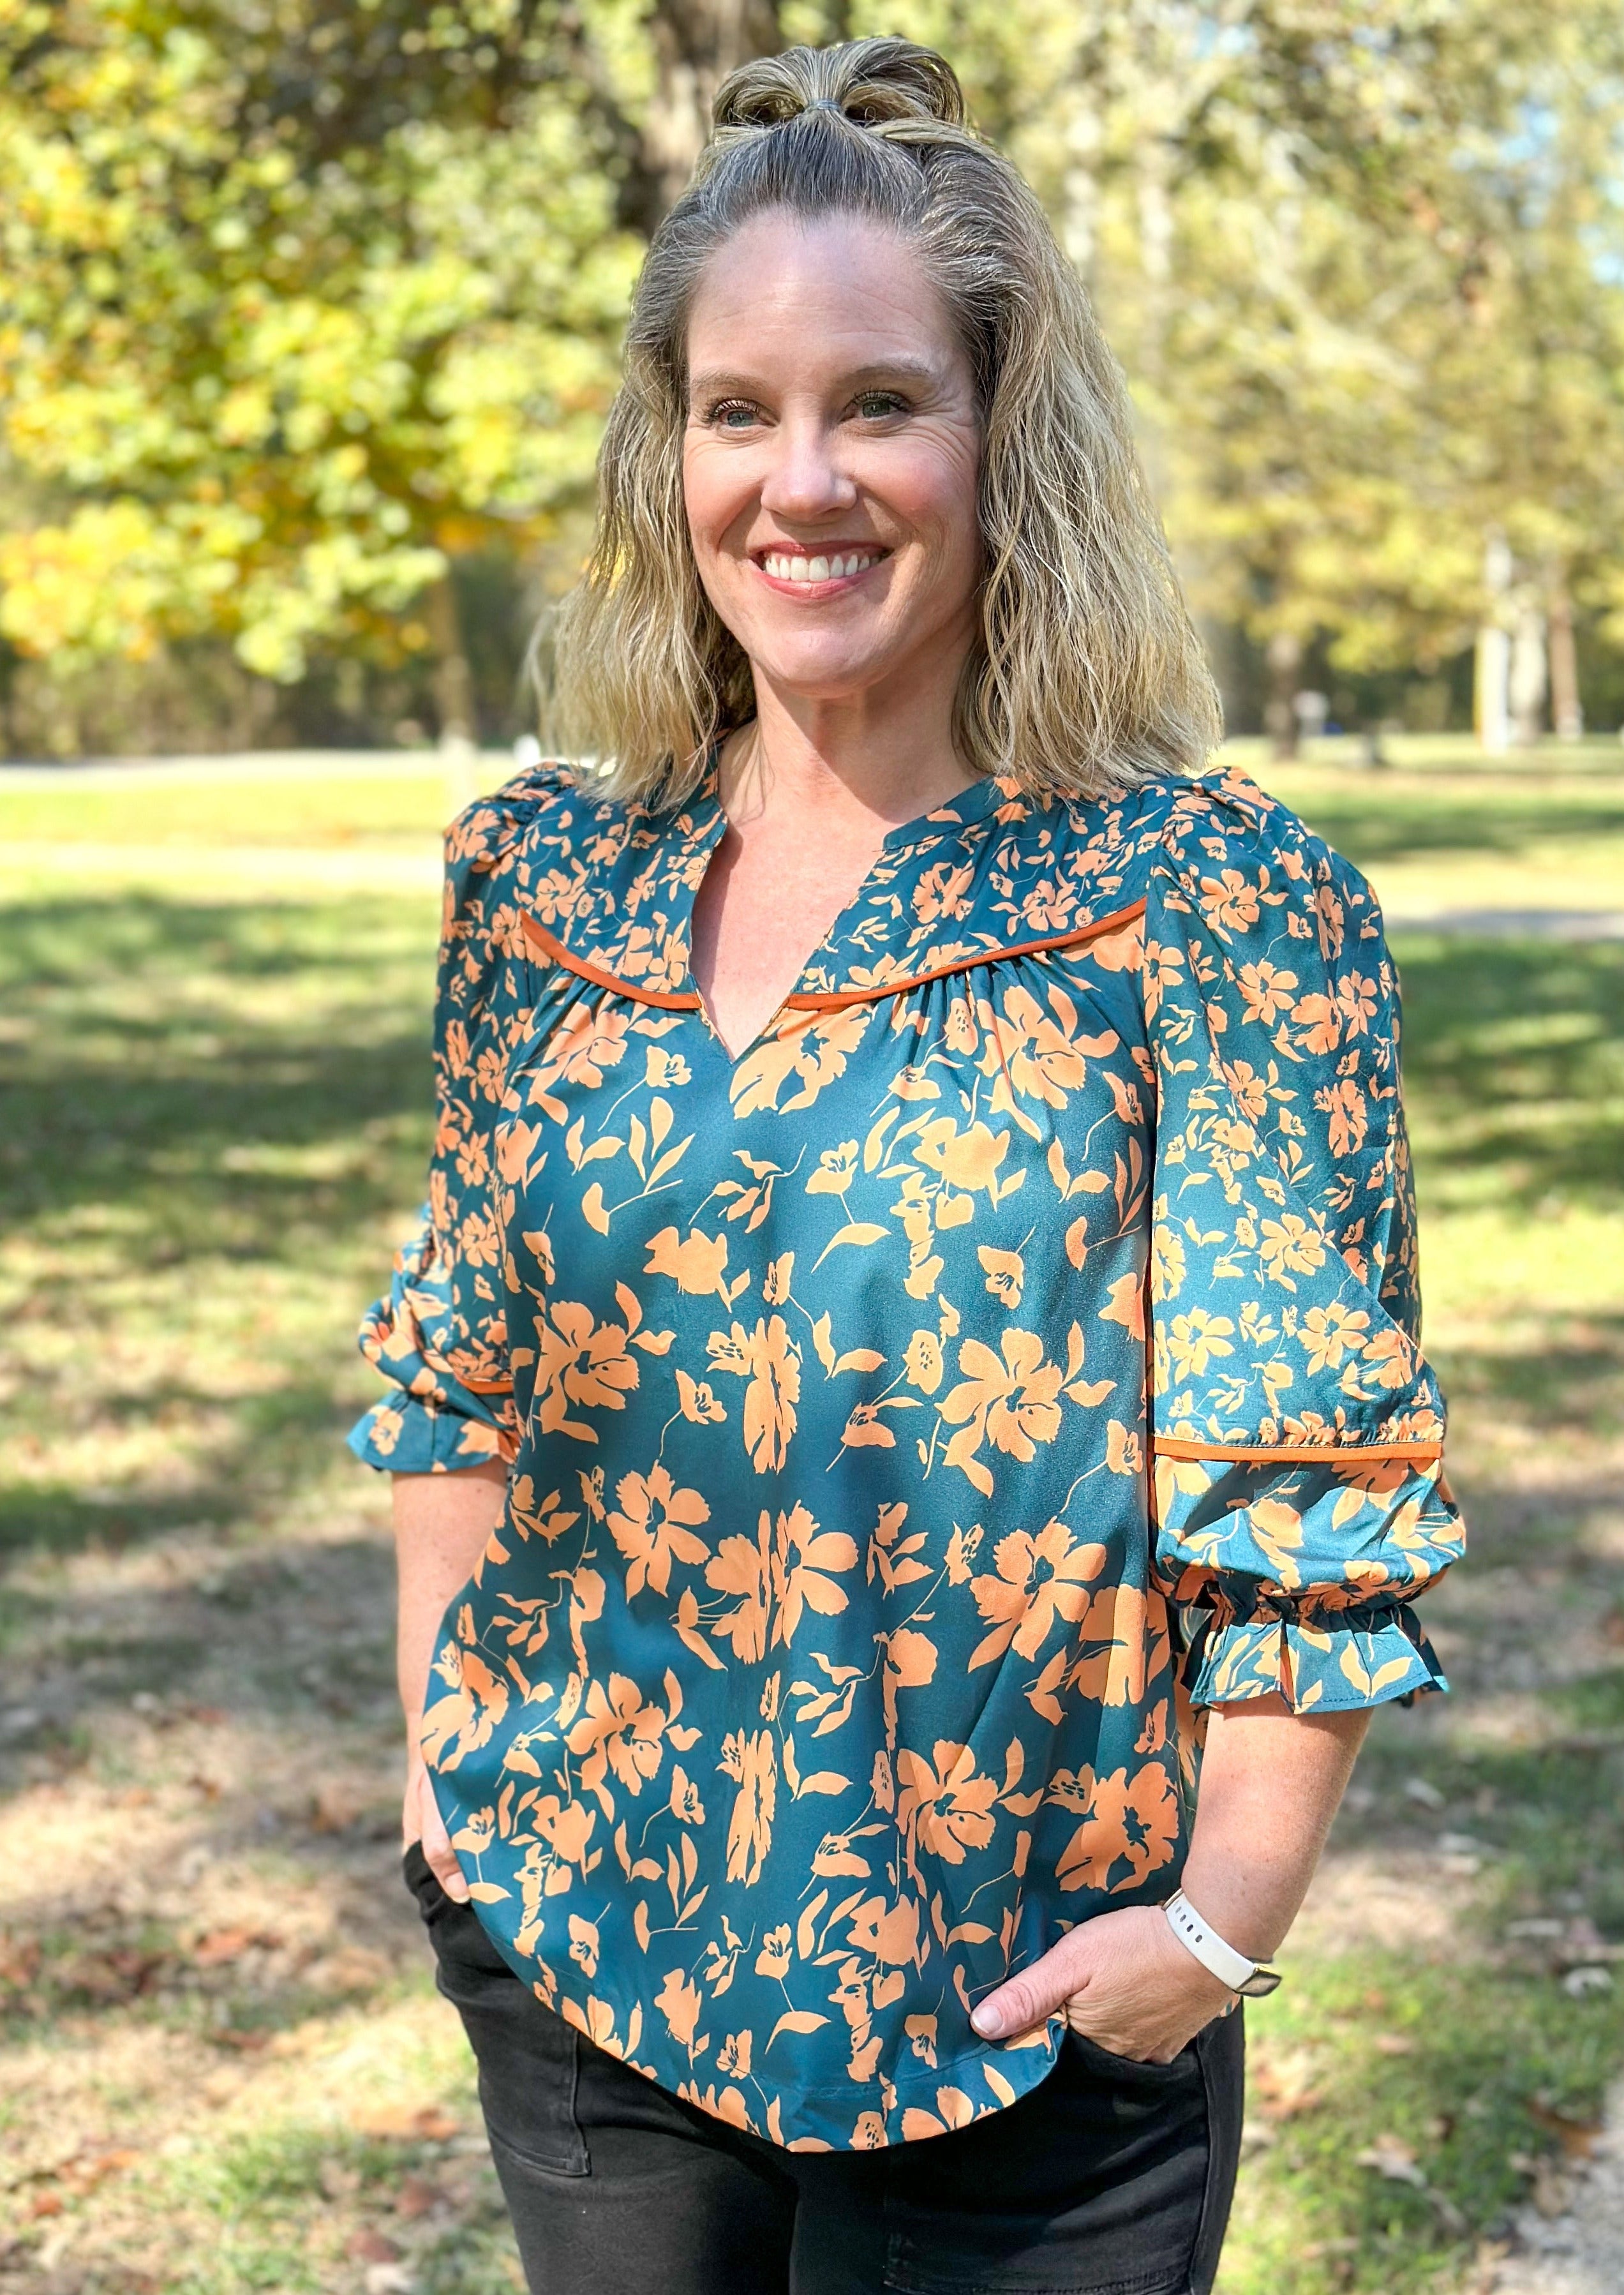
442, 1522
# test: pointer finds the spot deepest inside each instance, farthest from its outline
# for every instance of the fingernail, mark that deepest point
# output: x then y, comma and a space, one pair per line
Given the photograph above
987, 2021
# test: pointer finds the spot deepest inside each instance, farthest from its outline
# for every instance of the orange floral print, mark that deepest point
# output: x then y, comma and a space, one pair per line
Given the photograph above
1009, 1399
1033, 1581
769, 1359
1127, 1833
655, 1526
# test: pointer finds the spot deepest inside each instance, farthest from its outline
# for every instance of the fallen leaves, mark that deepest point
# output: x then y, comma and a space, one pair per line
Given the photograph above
418, 2197
220, 1946
369, 2245
1284, 2086
351, 1968
428, 2123
336, 1806
1391, 2157
109, 1977
1550, 2188
19, 1962
1394, 2159
1578, 2137
71, 2178
1394, 2044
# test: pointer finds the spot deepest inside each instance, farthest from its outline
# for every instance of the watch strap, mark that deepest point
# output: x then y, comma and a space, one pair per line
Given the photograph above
1232, 1969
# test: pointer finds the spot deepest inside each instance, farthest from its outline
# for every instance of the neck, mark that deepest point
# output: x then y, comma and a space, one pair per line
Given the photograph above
869, 757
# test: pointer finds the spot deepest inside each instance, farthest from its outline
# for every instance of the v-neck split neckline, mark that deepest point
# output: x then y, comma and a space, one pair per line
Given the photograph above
957, 812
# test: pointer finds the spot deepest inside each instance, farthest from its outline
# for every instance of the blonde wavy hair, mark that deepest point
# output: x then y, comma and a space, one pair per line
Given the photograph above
1088, 676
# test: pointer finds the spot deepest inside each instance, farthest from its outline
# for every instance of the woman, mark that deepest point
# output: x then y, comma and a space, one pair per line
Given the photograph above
911, 1351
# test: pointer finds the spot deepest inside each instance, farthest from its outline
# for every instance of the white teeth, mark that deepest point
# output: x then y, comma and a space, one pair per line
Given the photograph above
787, 568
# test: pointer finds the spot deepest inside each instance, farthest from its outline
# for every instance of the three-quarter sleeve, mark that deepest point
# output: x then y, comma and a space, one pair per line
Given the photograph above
1298, 1431
440, 1336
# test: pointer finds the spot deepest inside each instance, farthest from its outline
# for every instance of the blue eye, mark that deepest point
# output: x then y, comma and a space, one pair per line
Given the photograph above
732, 414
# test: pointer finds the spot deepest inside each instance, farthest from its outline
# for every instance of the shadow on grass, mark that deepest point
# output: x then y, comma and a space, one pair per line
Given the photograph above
1572, 1386
1407, 824
277, 1442
155, 1069
1513, 1060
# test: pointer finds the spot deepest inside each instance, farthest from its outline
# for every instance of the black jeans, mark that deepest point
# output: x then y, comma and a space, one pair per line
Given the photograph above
1111, 2178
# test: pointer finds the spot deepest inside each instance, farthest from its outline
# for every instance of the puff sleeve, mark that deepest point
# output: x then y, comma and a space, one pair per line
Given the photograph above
1299, 1495
441, 1335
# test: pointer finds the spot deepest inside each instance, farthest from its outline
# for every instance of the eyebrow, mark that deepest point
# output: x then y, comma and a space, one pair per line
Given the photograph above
903, 367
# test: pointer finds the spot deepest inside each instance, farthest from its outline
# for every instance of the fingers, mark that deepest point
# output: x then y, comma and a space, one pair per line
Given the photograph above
442, 1860
1030, 1998
420, 1821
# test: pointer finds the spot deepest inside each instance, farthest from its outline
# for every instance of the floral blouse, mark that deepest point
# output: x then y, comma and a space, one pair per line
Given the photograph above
912, 1422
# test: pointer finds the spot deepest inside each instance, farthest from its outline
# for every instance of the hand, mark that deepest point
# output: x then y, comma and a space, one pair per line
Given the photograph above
421, 1820
1123, 1981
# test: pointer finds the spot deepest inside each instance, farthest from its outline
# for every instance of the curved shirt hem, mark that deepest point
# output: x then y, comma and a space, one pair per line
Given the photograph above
811, 2112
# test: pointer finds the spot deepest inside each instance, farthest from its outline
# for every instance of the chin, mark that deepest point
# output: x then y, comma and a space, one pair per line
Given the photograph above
821, 673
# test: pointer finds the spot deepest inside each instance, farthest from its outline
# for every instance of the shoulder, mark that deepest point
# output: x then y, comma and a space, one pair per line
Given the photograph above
540, 805
1213, 841
1240, 858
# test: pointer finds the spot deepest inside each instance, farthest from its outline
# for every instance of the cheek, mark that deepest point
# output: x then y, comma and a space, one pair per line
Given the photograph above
712, 496
938, 495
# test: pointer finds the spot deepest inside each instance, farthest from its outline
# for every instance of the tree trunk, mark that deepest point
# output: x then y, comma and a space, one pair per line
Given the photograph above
696, 44
1280, 715
1492, 701
1567, 711
1528, 683
453, 683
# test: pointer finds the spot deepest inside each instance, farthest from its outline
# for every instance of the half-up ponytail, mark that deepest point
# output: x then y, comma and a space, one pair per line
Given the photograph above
872, 83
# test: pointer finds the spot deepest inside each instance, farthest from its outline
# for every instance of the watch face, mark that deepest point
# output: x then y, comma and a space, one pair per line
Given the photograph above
1262, 1984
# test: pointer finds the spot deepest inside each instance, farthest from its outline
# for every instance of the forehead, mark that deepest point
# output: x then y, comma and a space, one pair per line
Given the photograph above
783, 284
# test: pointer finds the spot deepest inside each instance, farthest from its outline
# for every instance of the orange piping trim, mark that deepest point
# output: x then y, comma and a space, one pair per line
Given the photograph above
485, 1385
668, 999
835, 1003
1183, 1446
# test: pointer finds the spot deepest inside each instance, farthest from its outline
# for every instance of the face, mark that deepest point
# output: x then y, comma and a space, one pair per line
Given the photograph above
830, 458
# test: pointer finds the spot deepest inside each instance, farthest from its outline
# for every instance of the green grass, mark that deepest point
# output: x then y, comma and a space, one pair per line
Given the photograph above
216, 1119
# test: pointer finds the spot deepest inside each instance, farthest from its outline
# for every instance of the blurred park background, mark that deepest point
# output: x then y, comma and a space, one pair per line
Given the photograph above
308, 316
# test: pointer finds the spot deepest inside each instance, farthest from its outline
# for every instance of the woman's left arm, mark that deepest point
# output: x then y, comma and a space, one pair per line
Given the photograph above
1270, 1783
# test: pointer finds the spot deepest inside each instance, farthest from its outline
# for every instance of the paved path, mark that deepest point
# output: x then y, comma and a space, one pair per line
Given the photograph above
1580, 2253
1510, 924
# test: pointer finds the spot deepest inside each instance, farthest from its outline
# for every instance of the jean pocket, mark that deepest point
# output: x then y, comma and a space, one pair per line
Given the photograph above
526, 2056
421, 1877
1133, 2071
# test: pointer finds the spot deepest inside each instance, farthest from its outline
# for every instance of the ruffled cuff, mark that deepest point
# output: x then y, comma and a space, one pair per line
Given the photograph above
1362, 1657
401, 1435
452, 1408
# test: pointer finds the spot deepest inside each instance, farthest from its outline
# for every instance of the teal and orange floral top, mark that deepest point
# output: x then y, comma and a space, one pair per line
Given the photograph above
912, 1422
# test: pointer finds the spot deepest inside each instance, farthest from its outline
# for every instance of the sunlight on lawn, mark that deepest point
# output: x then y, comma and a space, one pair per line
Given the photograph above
216, 1088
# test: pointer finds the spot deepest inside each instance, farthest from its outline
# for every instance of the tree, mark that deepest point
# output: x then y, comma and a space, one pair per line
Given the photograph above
1362, 264
303, 300
290, 315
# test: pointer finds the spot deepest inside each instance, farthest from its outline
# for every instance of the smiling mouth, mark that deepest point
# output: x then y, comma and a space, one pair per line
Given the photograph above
830, 566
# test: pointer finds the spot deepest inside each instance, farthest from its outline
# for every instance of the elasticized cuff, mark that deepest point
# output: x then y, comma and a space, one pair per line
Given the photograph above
401, 1435
1363, 1658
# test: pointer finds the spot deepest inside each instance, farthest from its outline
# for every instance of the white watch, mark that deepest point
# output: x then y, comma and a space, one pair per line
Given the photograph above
1232, 1969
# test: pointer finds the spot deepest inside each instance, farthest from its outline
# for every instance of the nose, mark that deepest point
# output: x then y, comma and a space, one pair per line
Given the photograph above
806, 479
